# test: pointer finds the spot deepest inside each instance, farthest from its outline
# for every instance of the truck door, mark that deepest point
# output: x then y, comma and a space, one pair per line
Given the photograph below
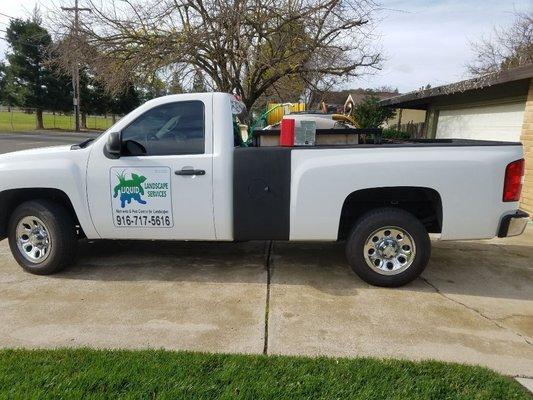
161, 185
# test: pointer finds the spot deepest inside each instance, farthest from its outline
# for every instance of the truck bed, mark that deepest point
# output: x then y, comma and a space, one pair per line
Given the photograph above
262, 176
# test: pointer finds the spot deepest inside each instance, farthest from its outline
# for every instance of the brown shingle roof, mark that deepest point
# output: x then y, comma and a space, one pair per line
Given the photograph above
418, 97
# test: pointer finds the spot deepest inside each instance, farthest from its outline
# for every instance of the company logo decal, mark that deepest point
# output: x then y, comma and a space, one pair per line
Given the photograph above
141, 197
130, 189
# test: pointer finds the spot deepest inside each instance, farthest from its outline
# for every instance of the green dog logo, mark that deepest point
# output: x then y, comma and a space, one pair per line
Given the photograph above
129, 189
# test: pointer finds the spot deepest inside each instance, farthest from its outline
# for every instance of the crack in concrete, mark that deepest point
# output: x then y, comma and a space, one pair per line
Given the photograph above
512, 316
522, 376
493, 321
268, 265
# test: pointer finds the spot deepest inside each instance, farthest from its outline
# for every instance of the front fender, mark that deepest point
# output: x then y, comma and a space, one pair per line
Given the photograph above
64, 170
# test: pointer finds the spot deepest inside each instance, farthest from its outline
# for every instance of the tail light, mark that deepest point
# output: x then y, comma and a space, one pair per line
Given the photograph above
512, 185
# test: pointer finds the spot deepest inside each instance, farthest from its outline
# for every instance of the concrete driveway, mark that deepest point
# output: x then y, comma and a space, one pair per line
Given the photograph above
474, 303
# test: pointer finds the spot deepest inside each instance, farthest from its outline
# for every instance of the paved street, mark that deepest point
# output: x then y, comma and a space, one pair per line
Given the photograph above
473, 304
20, 141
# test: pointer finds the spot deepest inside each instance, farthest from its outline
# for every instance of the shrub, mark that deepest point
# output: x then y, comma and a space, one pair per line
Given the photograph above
369, 114
394, 134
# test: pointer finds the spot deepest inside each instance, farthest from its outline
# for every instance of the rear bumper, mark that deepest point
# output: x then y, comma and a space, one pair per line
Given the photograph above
513, 224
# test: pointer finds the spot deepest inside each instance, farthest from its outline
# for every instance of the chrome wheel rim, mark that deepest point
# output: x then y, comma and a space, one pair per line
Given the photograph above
33, 239
389, 250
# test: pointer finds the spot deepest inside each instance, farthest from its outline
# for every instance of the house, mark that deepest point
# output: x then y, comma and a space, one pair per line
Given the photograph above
493, 107
400, 119
336, 100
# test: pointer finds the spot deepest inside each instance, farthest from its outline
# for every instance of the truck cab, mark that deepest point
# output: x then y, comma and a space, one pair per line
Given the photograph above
170, 175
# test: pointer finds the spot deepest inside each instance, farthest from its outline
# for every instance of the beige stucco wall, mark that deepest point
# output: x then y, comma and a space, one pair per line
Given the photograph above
527, 141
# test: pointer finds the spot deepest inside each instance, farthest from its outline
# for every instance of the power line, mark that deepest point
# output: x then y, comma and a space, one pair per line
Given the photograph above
32, 37
5, 15
25, 41
20, 41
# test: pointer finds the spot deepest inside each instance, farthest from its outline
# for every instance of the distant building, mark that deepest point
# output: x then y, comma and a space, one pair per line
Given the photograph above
337, 99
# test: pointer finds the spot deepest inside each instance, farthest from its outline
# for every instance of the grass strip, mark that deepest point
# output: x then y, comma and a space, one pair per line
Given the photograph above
147, 374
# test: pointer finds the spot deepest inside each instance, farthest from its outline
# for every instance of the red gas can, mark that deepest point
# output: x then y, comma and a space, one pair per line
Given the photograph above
286, 136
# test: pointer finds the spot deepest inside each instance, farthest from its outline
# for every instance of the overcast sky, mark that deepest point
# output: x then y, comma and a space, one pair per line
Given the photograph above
424, 41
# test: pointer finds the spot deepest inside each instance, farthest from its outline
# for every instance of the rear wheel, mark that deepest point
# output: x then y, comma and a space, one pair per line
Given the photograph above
42, 237
388, 247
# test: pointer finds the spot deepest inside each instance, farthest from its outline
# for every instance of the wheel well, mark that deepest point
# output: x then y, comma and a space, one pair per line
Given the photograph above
10, 199
424, 203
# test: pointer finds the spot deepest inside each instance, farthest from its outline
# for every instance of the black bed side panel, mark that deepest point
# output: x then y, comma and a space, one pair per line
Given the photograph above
261, 193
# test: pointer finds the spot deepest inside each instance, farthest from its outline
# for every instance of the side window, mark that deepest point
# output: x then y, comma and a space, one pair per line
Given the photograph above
170, 129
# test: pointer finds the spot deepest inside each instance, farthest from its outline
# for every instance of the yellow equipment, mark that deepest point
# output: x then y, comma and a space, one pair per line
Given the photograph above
277, 114
345, 118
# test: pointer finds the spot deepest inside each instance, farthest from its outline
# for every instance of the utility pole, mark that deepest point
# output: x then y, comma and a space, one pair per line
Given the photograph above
76, 63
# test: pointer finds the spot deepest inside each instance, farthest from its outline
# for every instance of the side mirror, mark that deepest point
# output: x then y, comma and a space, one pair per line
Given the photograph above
114, 144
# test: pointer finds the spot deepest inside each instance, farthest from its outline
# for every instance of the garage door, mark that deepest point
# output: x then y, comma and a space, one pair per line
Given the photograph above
495, 122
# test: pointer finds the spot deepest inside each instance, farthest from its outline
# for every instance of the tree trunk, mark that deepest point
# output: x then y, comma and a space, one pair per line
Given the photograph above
83, 122
399, 120
39, 119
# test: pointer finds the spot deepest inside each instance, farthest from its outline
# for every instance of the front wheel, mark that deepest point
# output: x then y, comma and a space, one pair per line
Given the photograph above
42, 237
388, 247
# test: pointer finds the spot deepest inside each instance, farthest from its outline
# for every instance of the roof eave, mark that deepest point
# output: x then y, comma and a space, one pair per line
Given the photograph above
420, 99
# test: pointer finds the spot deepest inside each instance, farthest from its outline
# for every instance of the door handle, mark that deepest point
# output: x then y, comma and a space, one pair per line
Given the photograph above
190, 171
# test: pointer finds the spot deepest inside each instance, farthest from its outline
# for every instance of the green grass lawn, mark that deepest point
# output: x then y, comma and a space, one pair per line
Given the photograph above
18, 121
148, 374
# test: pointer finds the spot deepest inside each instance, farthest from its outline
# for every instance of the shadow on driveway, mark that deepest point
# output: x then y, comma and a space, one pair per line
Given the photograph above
483, 268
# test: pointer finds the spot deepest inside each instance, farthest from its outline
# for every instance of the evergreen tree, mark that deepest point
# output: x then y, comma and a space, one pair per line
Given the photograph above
126, 101
176, 86
29, 81
198, 83
95, 99
369, 114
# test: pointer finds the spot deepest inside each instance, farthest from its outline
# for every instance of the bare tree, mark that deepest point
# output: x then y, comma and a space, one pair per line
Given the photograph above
248, 47
507, 48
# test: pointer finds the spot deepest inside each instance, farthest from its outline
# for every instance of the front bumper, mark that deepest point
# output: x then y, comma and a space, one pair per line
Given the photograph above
513, 224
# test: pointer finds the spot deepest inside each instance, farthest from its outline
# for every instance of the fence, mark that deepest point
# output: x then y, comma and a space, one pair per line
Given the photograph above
416, 130
19, 119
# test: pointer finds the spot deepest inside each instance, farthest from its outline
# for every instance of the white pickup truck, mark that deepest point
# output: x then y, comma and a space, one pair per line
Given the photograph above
169, 170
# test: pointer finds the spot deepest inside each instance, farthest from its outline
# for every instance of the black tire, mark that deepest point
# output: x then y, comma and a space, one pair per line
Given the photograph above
61, 230
387, 217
